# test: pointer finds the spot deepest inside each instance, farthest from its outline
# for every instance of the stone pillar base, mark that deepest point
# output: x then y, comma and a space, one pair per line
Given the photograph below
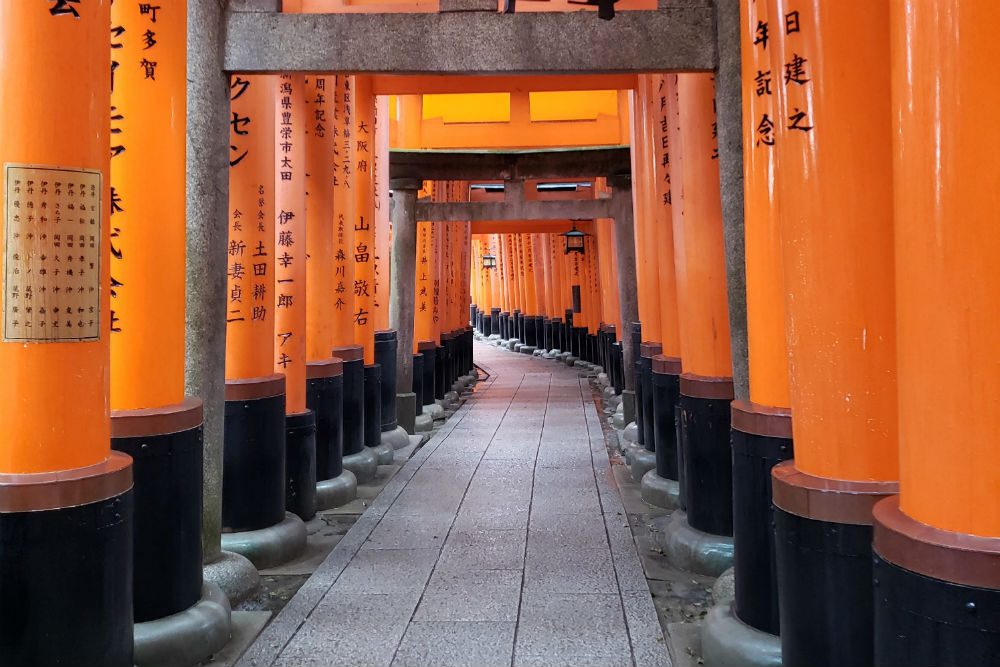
385, 453
187, 637
660, 491
423, 424
271, 546
642, 461
690, 549
406, 411
364, 465
628, 405
397, 438
337, 491
434, 410
235, 575
726, 641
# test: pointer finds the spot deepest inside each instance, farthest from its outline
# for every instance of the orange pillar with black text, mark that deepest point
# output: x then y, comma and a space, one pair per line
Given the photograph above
706, 386
151, 420
253, 490
63, 491
834, 201
324, 372
357, 459
289, 300
937, 544
647, 272
761, 426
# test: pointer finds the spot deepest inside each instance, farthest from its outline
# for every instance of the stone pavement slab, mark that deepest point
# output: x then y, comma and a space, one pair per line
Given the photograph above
503, 541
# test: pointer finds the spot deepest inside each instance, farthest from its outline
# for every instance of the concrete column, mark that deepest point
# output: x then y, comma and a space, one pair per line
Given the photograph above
729, 109
401, 294
207, 240
207, 247
627, 293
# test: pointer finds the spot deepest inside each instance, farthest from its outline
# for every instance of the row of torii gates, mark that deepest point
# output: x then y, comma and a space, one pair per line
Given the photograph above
819, 269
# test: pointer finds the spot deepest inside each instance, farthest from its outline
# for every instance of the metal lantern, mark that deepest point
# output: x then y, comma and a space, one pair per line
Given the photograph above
574, 240
489, 261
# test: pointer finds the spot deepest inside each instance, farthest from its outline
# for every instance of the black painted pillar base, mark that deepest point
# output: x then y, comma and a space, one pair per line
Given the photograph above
494, 322
517, 322
300, 464
66, 567
762, 438
429, 350
485, 325
707, 454
636, 371
647, 351
937, 593
441, 372
166, 449
386, 345
373, 405
823, 557
325, 397
352, 358
665, 389
253, 471
473, 312
619, 366
418, 380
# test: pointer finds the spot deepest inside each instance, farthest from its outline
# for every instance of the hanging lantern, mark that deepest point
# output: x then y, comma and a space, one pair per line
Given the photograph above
574, 240
489, 261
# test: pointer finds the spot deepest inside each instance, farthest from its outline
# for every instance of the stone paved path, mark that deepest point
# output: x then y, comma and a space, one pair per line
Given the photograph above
503, 541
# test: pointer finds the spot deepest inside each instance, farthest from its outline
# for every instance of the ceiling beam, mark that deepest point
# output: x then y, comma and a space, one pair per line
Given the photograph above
429, 84
671, 39
509, 165
584, 209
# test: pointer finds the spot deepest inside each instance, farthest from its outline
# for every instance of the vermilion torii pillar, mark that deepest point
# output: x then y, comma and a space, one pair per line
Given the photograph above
63, 492
335, 485
831, 66
289, 298
660, 486
700, 537
179, 620
253, 506
937, 545
357, 458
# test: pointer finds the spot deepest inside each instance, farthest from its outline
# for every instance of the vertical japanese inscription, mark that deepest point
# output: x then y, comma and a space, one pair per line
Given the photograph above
52, 251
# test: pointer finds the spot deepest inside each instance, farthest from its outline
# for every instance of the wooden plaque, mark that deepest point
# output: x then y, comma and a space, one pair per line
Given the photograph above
51, 254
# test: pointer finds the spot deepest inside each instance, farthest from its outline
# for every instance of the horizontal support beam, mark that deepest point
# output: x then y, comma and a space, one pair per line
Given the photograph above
672, 39
521, 227
587, 209
429, 84
507, 166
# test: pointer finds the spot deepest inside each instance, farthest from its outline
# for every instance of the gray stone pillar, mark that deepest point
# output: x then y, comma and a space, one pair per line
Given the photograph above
729, 117
401, 294
627, 291
207, 264
207, 239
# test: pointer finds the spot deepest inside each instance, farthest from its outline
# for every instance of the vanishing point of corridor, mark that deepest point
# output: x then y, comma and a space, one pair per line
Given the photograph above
502, 541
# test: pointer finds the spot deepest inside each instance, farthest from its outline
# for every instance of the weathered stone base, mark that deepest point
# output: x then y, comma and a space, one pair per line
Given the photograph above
660, 491
618, 418
726, 641
434, 411
423, 423
642, 461
187, 637
631, 432
527, 349
235, 576
396, 438
451, 399
384, 454
364, 465
336, 492
271, 546
690, 549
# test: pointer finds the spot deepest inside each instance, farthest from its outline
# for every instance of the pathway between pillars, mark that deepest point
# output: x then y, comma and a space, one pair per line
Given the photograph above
503, 541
